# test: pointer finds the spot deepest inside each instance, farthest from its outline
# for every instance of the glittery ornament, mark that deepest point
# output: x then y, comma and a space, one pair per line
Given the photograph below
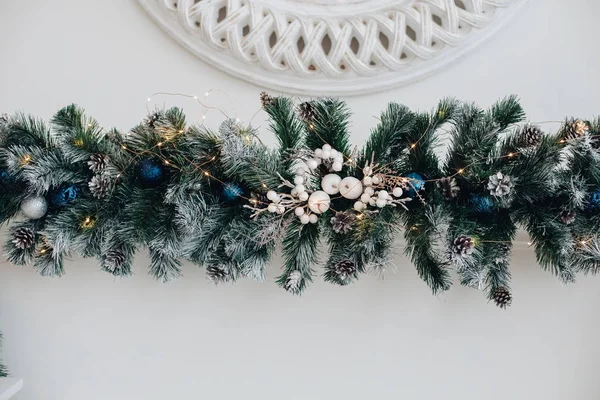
34, 207
150, 172
482, 204
231, 192
415, 183
593, 203
64, 195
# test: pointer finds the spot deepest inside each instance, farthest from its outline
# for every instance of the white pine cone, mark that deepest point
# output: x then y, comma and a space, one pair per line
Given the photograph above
99, 186
499, 185
114, 259
463, 245
449, 187
98, 162
24, 238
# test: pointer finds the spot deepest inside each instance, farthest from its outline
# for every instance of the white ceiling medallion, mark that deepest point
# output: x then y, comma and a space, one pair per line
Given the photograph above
336, 47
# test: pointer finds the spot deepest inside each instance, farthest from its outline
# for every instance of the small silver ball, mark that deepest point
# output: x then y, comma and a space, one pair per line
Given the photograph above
34, 207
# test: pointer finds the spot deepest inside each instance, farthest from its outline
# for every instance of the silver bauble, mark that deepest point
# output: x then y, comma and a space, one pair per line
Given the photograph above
34, 207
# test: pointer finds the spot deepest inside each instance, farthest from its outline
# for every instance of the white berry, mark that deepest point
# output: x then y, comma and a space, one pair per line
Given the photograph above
305, 219
313, 218
272, 208
365, 197
318, 153
339, 158
312, 163
326, 154
367, 181
300, 188
280, 209
383, 194
370, 191
326, 147
299, 211
271, 194
381, 203
331, 183
397, 192
376, 180
303, 196
359, 206
300, 171
372, 202
294, 192
337, 166
298, 180
277, 199
333, 153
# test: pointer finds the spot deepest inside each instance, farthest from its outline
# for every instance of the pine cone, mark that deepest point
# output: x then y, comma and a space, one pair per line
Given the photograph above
502, 297
306, 112
24, 238
99, 186
216, 274
449, 187
574, 129
152, 119
114, 259
568, 217
293, 281
342, 222
266, 100
499, 185
531, 135
345, 268
463, 245
98, 162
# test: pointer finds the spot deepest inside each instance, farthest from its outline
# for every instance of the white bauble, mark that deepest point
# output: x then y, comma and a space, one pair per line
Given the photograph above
303, 196
381, 203
313, 218
337, 166
333, 153
397, 192
299, 180
376, 180
326, 154
370, 191
365, 197
326, 147
272, 208
359, 206
319, 202
312, 163
331, 183
383, 194
305, 219
299, 211
34, 207
367, 181
318, 153
272, 195
351, 188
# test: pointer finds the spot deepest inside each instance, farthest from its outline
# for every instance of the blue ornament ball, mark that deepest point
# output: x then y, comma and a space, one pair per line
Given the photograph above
4, 175
150, 172
231, 191
593, 203
416, 183
64, 195
482, 204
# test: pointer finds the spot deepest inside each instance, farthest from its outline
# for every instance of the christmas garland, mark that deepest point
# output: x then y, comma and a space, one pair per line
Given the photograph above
224, 201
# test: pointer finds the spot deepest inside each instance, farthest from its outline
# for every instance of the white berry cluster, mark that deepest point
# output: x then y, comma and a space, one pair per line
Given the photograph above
374, 193
331, 158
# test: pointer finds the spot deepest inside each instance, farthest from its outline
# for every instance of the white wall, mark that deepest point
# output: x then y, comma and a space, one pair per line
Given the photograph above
88, 336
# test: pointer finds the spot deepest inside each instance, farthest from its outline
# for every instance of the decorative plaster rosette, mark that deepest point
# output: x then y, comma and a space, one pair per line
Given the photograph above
330, 46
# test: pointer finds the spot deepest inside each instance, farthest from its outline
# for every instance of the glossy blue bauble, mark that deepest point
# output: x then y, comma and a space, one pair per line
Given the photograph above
64, 195
4, 176
150, 172
482, 204
231, 192
593, 203
416, 183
